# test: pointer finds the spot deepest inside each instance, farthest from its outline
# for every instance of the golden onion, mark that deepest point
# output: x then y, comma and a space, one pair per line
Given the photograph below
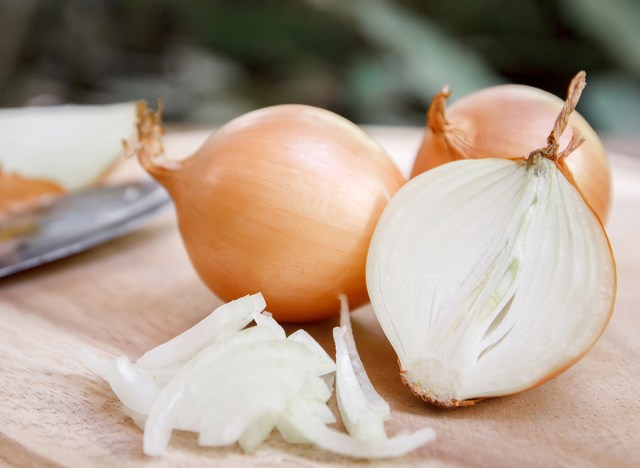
281, 200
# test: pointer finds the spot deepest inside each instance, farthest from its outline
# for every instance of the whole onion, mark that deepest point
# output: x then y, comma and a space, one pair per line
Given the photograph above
282, 200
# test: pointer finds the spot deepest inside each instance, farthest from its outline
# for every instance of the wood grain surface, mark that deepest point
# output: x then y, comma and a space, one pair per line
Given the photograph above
140, 290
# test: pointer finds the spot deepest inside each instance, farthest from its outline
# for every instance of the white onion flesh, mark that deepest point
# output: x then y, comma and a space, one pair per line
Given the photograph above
135, 390
489, 277
360, 420
258, 431
374, 401
226, 321
313, 429
363, 410
231, 384
71, 145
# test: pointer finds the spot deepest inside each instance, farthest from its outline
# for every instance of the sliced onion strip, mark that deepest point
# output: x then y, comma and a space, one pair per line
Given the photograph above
226, 319
362, 409
374, 400
313, 429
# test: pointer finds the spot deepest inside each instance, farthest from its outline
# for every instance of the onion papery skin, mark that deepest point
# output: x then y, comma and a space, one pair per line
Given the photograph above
19, 194
282, 200
507, 121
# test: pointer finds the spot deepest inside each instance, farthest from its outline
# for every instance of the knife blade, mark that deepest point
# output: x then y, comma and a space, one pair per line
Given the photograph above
75, 223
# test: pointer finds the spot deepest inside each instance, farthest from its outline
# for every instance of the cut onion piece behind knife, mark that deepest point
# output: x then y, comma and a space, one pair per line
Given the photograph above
70, 145
53, 150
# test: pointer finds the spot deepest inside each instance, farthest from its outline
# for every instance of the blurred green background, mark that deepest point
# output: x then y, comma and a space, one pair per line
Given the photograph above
373, 61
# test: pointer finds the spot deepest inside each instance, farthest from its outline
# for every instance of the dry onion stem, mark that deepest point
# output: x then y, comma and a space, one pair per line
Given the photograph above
553, 140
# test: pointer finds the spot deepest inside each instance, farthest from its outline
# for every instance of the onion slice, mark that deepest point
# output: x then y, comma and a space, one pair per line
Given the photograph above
312, 428
360, 419
362, 409
134, 389
347, 343
224, 321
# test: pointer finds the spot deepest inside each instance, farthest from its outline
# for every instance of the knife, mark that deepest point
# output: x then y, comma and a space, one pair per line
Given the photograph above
75, 223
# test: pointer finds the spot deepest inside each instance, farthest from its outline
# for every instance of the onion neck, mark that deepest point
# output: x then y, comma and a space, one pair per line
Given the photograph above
149, 149
452, 136
437, 116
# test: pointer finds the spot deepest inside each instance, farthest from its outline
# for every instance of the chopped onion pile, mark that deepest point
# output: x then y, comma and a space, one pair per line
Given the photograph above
232, 384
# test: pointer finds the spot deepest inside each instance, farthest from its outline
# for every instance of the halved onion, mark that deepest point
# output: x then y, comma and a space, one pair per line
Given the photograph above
489, 277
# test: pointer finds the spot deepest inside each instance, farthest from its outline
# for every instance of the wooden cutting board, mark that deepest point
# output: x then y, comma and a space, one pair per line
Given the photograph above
136, 292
